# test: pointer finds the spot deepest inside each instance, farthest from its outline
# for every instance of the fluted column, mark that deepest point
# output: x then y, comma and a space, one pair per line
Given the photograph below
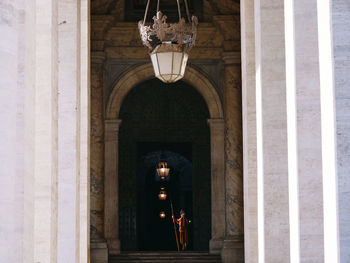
111, 215
217, 184
233, 243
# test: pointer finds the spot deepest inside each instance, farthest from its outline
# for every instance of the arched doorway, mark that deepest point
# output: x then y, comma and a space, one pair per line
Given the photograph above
171, 118
112, 152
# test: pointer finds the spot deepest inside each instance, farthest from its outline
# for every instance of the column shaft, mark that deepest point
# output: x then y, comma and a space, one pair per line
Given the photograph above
68, 131
341, 52
304, 133
84, 201
11, 133
272, 155
45, 132
249, 132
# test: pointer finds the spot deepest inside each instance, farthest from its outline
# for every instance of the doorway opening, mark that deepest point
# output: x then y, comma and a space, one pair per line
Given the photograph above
154, 232
171, 119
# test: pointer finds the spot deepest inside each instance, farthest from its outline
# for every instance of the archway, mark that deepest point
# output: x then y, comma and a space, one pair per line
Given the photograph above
216, 123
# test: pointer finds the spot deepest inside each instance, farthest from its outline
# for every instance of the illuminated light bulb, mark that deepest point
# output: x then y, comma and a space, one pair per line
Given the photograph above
162, 214
162, 194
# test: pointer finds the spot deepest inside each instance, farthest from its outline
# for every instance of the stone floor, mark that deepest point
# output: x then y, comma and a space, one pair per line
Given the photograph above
160, 257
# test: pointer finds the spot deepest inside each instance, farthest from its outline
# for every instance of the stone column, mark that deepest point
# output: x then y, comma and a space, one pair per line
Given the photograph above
12, 130
217, 185
304, 132
68, 131
341, 52
233, 250
271, 115
111, 218
41, 110
84, 199
249, 132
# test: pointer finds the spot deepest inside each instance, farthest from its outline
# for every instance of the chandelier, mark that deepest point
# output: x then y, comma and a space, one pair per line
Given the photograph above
169, 44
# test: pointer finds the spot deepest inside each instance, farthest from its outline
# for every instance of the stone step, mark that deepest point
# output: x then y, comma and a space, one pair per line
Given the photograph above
162, 257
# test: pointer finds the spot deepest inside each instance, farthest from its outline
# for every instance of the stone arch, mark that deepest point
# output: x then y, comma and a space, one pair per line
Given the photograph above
216, 122
145, 72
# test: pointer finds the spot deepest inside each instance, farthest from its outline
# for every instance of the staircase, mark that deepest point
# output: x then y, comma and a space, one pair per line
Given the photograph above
163, 257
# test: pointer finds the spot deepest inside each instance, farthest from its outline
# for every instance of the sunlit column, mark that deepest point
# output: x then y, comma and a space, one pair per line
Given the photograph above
41, 149
249, 132
272, 150
84, 199
304, 132
329, 166
12, 129
68, 131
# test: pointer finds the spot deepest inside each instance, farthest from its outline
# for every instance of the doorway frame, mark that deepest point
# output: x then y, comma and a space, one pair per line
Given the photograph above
112, 123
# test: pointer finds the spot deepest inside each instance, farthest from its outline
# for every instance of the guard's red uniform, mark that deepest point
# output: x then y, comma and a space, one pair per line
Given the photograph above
183, 225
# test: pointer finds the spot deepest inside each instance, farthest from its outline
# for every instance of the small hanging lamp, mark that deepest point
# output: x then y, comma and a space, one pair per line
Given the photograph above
169, 44
162, 214
163, 170
162, 194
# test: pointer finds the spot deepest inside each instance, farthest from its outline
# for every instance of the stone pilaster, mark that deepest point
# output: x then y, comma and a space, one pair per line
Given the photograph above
97, 149
111, 217
233, 250
217, 185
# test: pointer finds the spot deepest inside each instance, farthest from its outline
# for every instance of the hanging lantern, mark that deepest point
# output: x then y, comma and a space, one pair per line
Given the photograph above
162, 194
163, 170
162, 214
169, 44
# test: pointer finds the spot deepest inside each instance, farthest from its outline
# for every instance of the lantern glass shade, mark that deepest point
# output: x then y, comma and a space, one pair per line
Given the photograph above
162, 214
162, 194
163, 170
169, 62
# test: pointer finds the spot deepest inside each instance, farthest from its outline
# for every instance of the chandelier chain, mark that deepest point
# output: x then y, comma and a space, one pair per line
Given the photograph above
147, 6
178, 10
188, 12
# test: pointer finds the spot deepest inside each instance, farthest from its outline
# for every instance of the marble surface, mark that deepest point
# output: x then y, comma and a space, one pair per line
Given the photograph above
341, 52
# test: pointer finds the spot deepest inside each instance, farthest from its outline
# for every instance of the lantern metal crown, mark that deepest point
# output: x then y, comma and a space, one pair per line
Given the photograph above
169, 44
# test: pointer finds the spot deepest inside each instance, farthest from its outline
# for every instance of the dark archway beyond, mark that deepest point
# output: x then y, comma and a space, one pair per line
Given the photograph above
155, 233
155, 117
